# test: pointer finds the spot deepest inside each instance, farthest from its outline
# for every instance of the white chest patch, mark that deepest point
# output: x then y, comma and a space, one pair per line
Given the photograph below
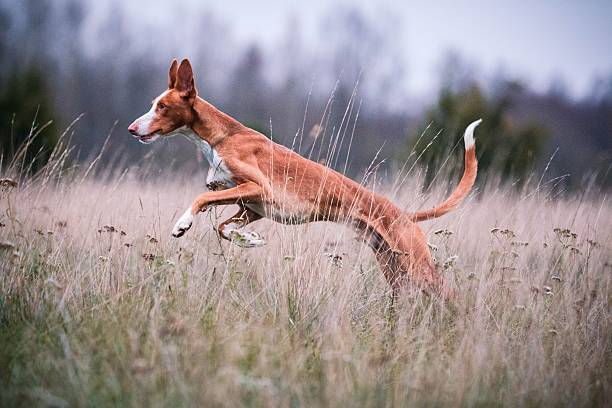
219, 175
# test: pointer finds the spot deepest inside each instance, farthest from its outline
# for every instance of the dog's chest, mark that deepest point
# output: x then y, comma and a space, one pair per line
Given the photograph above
219, 176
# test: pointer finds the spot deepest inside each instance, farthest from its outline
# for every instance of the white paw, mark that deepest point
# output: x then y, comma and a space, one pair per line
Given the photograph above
246, 239
183, 224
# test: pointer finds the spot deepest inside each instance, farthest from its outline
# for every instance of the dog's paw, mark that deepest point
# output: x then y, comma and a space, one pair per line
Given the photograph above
183, 224
247, 239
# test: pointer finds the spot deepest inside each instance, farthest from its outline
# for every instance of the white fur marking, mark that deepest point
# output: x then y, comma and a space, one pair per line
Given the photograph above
144, 122
218, 171
468, 136
183, 224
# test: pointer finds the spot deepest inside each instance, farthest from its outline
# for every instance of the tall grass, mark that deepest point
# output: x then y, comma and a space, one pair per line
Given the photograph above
99, 305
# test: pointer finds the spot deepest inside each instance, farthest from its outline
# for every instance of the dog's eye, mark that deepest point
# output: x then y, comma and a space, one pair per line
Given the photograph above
160, 105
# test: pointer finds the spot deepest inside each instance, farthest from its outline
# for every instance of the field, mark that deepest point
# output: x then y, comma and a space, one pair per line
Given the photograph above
100, 306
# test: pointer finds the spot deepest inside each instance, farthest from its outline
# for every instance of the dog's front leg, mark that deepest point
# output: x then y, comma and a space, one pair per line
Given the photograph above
243, 193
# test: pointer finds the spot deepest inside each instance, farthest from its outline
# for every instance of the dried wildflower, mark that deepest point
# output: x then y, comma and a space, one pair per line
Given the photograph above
148, 257
2, 224
593, 243
574, 250
565, 233
127, 245
506, 233
432, 246
123, 233
102, 258
61, 224
289, 257
450, 261
336, 259
443, 232
152, 239
39, 232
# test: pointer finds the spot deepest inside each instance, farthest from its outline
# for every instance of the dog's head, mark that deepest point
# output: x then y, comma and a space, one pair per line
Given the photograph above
171, 110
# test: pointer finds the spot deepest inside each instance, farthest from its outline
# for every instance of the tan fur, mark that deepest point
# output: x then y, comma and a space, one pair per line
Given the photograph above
270, 175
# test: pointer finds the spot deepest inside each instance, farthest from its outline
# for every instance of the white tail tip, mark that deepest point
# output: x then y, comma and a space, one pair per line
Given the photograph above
468, 136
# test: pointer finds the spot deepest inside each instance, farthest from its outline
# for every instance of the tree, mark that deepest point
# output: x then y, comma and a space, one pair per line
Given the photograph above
25, 107
248, 86
504, 146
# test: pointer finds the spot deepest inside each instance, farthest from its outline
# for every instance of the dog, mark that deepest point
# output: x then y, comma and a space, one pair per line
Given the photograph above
266, 179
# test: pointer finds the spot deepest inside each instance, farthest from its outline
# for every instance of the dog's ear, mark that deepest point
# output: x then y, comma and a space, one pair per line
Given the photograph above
184, 80
172, 74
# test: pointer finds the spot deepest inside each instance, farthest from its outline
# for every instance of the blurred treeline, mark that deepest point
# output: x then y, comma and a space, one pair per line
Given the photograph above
525, 136
63, 58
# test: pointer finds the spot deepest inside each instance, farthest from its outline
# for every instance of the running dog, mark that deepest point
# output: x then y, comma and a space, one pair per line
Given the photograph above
266, 179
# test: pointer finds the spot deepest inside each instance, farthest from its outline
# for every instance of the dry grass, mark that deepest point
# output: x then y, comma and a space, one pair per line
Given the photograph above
99, 305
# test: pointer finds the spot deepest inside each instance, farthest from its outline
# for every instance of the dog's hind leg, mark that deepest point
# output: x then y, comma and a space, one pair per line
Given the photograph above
402, 253
230, 229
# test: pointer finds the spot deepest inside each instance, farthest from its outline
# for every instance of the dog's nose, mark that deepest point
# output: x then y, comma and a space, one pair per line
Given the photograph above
133, 129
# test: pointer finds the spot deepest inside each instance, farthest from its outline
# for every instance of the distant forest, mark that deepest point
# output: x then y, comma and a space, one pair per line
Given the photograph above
344, 92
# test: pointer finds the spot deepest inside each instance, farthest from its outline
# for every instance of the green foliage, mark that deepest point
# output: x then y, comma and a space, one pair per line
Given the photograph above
26, 109
504, 146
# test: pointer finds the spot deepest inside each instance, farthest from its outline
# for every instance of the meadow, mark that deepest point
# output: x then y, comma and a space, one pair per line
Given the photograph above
100, 306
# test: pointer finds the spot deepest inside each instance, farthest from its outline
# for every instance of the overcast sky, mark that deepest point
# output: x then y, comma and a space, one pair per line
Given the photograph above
537, 40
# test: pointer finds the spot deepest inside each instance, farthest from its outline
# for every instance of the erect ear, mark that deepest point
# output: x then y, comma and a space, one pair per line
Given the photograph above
172, 74
184, 80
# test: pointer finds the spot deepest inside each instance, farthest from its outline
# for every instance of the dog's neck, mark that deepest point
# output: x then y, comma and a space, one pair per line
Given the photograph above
212, 125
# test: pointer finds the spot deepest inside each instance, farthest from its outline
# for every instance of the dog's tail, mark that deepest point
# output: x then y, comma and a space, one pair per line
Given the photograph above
465, 185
